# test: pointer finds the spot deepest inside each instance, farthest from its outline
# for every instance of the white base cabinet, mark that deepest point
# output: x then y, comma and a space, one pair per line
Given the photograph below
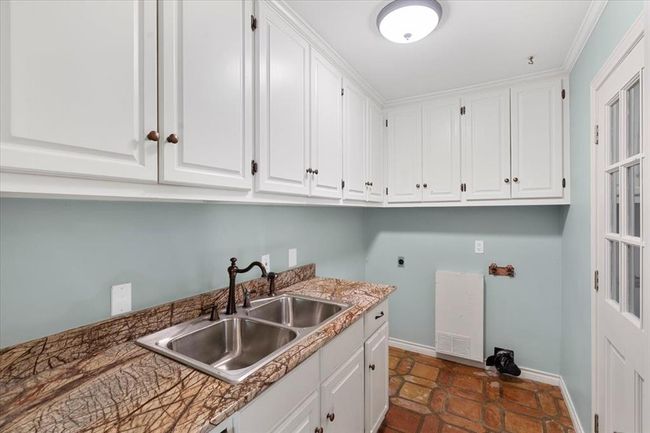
341, 389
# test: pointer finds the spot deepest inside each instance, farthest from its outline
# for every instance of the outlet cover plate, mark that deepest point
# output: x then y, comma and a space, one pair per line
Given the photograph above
293, 257
120, 299
266, 261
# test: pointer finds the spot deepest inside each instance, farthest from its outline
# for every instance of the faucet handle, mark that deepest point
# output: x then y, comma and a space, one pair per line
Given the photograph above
214, 313
247, 298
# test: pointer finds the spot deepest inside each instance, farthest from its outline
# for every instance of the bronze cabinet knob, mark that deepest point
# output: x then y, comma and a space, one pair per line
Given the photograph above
372, 367
309, 170
506, 180
330, 417
318, 430
153, 136
425, 185
316, 171
515, 179
173, 138
417, 185
370, 183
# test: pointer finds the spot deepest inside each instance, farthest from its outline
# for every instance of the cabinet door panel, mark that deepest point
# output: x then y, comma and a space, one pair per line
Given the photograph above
327, 130
303, 419
536, 111
376, 352
79, 88
342, 396
486, 145
404, 136
207, 93
354, 142
283, 105
375, 149
441, 150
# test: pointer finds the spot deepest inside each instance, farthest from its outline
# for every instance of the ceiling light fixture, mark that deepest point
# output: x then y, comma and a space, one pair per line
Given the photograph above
406, 21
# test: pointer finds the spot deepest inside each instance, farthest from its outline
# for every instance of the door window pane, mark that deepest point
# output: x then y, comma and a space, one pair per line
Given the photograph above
634, 280
634, 119
614, 111
634, 200
614, 202
614, 290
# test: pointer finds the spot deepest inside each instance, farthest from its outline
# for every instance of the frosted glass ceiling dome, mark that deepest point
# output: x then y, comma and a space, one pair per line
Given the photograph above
406, 21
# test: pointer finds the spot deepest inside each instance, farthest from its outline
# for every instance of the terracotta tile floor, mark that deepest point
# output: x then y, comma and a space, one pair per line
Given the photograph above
431, 395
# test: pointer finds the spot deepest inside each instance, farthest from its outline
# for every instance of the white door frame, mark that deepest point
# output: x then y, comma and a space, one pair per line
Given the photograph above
632, 37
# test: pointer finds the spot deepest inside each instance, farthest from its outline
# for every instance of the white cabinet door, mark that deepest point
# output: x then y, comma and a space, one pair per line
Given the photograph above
304, 419
486, 145
354, 143
441, 150
78, 86
326, 128
375, 152
376, 352
536, 122
342, 397
206, 98
283, 105
404, 139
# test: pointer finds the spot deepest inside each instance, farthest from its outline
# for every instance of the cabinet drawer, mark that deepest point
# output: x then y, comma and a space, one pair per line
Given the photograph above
376, 317
273, 405
339, 350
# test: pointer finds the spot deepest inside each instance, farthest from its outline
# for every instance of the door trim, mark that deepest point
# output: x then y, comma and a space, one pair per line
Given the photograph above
632, 37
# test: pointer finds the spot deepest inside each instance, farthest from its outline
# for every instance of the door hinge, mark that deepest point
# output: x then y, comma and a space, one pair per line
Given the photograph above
564, 182
386, 190
596, 424
253, 23
596, 280
342, 184
462, 110
563, 93
386, 123
253, 167
342, 91
596, 134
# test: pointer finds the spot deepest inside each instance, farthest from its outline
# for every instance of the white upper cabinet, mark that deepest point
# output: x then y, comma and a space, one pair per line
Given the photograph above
354, 143
441, 150
282, 105
375, 154
326, 128
404, 142
78, 84
486, 145
206, 100
536, 111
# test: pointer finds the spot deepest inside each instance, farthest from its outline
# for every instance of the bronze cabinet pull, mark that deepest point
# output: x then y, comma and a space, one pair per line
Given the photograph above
318, 430
372, 367
417, 185
316, 171
515, 179
153, 136
379, 316
330, 417
173, 138
425, 185
309, 170
506, 180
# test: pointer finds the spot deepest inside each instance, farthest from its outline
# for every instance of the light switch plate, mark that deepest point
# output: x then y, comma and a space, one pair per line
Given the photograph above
293, 257
120, 299
266, 261
478, 247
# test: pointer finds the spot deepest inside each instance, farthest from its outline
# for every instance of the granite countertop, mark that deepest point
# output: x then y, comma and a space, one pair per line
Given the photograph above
125, 387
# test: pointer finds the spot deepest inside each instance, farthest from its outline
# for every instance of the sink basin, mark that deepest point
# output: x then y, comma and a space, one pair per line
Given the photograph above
295, 311
233, 343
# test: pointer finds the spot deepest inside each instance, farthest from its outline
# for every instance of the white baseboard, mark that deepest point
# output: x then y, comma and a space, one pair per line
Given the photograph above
526, 373
577, 426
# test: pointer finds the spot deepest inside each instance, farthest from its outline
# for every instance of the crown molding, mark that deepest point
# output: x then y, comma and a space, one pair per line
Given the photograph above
594, 11
326, 50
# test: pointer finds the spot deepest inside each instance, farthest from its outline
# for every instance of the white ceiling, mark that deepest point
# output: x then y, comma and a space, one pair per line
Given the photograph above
476, 42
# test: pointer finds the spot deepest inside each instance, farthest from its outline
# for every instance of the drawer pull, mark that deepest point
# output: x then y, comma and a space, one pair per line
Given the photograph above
379, 316
372, 367
330, 417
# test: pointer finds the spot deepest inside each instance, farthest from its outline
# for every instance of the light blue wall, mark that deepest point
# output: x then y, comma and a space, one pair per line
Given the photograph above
576, 272
522, 313
58, 259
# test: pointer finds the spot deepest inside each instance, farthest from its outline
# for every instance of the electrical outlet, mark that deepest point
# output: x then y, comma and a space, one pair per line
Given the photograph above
266, 261
293, 257
120, 299
478, 247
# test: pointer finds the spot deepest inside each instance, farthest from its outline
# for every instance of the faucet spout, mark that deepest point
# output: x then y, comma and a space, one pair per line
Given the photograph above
233, 270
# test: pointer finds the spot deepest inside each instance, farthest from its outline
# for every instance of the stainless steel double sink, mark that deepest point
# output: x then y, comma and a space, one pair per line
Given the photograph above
235, 346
